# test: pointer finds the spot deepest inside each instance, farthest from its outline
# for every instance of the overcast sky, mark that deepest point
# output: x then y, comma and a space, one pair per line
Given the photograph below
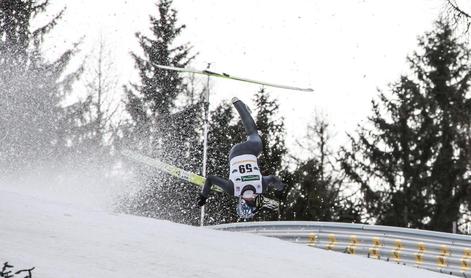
343, 49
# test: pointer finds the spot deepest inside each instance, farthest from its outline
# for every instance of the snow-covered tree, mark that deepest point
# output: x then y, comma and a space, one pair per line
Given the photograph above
34, 121
160, 126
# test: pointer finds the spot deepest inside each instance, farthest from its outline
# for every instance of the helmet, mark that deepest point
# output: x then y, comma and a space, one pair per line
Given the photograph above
245, 209
248, 203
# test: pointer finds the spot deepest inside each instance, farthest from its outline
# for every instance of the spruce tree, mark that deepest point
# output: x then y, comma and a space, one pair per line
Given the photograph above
151, 101
159, 127
412, 160
37, 126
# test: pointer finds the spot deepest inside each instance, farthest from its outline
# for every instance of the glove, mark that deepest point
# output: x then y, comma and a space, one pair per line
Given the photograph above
201, 200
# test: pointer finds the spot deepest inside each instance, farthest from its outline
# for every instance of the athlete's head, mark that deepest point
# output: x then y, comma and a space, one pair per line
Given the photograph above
245, 210
247, 205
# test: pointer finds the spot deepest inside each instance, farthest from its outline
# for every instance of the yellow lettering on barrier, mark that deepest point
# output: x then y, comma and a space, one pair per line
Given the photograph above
398, 244
467, 253
419, 256
332, 241
353, 245
465, 264
312, 240
421, 247
396, 253
441, 262
466, 260
396, 256
444, 250
374, 252
444, 253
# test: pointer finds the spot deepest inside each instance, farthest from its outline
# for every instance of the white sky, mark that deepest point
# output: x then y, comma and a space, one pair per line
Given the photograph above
343, 49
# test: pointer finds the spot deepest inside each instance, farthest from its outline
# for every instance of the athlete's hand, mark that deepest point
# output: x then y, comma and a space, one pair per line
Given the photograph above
201, 200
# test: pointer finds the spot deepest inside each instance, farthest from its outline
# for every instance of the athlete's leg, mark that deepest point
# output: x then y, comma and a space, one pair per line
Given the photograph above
247, 120
253, 145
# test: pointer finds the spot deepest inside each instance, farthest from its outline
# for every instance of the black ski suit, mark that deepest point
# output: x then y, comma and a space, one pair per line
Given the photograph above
252, 146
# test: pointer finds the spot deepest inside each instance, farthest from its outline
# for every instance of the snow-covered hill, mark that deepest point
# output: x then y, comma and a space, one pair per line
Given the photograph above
68, 240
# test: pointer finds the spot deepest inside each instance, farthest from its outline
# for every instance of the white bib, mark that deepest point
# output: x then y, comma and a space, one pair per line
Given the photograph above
244, 171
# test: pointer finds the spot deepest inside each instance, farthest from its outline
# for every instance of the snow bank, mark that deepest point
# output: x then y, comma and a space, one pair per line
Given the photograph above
67, 240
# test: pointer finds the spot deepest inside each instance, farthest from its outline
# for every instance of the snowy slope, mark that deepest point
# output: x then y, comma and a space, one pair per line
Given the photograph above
68, 240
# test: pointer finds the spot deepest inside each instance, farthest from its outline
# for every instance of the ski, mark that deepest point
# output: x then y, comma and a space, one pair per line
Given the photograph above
182, 174
167, 168
228, 76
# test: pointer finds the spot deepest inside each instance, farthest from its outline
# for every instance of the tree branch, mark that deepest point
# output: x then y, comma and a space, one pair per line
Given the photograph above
457, 14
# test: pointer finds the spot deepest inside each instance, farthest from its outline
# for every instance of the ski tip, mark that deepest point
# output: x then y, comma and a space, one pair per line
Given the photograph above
234, 100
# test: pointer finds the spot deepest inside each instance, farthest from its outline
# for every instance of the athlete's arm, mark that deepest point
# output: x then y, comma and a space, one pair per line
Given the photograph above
226, 185
269, 182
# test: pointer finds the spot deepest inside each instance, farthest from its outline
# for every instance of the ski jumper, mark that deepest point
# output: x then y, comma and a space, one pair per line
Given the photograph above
243, 163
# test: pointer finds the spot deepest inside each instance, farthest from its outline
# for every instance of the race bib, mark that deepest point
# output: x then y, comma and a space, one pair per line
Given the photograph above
244, 171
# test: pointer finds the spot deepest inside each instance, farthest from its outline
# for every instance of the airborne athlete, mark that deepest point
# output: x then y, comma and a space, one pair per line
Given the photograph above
245, 179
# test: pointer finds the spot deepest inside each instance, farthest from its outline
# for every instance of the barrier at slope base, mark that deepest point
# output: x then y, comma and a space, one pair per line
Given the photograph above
436, 251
